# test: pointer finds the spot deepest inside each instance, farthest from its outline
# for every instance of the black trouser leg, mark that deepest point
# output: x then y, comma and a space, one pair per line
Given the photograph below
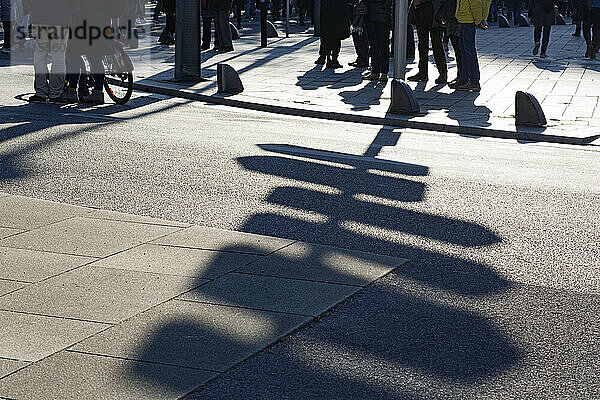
457, 53
361, 45
537, 33
410, 42
336, 46
546, 37
424, 19
379, 36
439, 55
206, 30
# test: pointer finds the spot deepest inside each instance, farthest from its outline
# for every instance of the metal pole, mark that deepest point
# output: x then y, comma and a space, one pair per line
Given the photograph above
187, 42
263, 23
287, 18
400, 34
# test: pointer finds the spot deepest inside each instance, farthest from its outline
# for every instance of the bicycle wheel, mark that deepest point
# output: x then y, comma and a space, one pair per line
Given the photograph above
119, 86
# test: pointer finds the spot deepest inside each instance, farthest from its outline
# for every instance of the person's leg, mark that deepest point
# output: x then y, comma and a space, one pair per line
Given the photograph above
467, 34
206, 32
537, 33
97, 69
74, 62
222, 30
336, 47
373, 49
517, 11
439, 54
546, 38
58, 49
455, 40
384, 53
423, 38
40, 62
474, 74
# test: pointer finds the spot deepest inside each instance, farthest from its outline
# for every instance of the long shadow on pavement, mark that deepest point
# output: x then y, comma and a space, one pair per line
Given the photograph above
345, 193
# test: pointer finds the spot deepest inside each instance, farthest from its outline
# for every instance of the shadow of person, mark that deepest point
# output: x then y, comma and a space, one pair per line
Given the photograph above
317, 77
367, 96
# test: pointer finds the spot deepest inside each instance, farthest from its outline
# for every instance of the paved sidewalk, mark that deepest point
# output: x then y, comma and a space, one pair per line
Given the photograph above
567, 86
97, 304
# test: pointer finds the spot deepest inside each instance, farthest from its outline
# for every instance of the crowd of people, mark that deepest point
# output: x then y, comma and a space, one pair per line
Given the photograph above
369, 22
63, 31
439, 22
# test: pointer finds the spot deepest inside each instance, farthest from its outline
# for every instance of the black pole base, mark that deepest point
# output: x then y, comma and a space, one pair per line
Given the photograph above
228, 80
403, 99
528, 111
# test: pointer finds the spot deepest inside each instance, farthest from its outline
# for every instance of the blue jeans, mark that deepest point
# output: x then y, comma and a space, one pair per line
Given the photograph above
470, 65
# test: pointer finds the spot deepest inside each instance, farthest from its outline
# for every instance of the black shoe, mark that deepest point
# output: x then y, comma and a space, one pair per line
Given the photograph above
37, 99
418, 78
334, 64
577, 34
359, 64
57, 100
320, 60
442, 79
588, 52
205, 47
593, 55
225, 49
371, 77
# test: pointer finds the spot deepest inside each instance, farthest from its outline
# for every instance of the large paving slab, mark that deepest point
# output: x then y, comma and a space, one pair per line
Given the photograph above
7, 286
33, 266
9, 366
182, 261
29, 337
205, 238
272, 293
87, 236
27, 213
193, 334
75, 376
325, 264
96, 294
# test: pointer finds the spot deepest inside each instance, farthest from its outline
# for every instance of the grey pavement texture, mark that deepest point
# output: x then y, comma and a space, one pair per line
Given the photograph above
90, 309
499, 299
284, 75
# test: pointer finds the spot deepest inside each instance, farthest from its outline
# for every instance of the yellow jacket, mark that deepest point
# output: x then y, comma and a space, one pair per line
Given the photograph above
472, 11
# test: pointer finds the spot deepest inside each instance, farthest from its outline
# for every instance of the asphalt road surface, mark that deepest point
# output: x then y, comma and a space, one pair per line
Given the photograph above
501, 298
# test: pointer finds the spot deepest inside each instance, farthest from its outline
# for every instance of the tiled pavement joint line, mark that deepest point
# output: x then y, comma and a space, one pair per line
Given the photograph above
244, 307
16, 281
297, 279
137, 360
213, 250
59, 317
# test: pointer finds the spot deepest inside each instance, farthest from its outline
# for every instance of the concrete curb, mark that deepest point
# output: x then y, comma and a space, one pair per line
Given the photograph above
365, 119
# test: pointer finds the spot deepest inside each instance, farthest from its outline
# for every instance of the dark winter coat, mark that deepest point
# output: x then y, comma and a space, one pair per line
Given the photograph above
50, 12
379, 11
92, 15
541, 12
335, 19
580, 9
